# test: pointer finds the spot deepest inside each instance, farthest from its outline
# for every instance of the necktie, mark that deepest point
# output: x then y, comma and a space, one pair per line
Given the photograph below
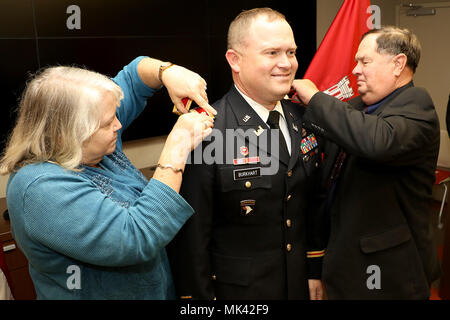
273, 122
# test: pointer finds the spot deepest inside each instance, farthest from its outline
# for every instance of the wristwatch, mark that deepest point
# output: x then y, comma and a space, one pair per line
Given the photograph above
163, 67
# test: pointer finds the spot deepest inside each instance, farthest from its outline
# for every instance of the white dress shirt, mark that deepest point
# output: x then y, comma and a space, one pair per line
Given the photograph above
263, 113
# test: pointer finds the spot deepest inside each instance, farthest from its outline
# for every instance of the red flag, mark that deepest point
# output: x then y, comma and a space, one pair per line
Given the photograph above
332, 65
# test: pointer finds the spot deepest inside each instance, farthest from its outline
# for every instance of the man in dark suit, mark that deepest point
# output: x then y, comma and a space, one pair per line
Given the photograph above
253, 234
381, 241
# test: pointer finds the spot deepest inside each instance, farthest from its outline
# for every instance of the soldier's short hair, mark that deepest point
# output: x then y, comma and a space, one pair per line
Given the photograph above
394, 40
239, 27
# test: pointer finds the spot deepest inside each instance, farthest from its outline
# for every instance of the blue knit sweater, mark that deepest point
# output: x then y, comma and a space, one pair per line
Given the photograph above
99, 233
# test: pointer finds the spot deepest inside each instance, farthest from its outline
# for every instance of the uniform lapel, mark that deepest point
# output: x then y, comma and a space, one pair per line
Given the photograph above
248, 119
294, 124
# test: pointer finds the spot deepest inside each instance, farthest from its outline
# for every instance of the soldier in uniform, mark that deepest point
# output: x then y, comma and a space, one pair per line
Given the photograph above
255, 233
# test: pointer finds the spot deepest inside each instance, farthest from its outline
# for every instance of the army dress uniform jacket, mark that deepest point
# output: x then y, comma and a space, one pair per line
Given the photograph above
249, 236
381, 242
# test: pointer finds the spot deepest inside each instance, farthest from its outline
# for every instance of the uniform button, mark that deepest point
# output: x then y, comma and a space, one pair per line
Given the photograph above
288, 223
290, 173
213, 277
317, 164
288, 197
248, 184
288, 247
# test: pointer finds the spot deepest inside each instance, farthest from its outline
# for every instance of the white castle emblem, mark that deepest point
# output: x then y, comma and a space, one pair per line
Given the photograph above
341, 90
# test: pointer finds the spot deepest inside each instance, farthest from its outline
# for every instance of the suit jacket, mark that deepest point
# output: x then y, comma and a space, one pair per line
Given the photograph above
381, 241
248, 236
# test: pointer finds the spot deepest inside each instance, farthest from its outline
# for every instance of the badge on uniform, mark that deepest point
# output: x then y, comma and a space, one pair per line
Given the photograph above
308, 156
249, 173
250, 160
259, 131
308, 143
247, 207
244, 151
303, 132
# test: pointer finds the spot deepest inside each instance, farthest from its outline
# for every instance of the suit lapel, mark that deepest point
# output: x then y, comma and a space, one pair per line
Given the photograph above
359, 105
386, 103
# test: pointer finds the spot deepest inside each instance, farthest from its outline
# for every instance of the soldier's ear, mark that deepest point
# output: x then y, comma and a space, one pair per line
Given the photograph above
234, 59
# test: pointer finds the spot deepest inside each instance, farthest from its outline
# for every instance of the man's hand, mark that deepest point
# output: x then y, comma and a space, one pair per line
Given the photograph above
305, 90
315, 289
183, 83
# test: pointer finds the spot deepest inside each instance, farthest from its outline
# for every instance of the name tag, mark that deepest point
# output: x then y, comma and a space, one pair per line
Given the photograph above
247, 173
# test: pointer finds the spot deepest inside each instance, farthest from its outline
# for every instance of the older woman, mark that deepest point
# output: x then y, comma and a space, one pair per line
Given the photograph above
90, 224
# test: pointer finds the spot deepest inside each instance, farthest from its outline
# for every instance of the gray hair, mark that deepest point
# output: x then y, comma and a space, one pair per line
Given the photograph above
393, 40
57, 113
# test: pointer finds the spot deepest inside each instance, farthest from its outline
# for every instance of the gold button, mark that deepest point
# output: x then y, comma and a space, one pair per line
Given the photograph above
214, 277
288, 197
288, 223
248, 184
288, 247
290, 173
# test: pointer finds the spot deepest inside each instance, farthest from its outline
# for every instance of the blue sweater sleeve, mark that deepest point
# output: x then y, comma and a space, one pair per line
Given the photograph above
94, 229
135, 92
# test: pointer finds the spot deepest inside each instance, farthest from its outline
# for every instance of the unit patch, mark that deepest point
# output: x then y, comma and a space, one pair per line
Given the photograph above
247, 207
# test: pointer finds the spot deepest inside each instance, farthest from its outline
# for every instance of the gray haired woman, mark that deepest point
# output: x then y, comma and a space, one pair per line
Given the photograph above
90, 224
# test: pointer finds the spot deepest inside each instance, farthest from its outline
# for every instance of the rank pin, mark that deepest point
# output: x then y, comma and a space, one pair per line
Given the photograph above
259, 131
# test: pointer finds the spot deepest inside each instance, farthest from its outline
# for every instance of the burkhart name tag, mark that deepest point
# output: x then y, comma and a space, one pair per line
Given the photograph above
242, 174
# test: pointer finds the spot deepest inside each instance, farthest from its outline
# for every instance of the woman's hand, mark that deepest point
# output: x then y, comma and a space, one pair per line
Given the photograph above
180, 83
187, 133
183, 83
